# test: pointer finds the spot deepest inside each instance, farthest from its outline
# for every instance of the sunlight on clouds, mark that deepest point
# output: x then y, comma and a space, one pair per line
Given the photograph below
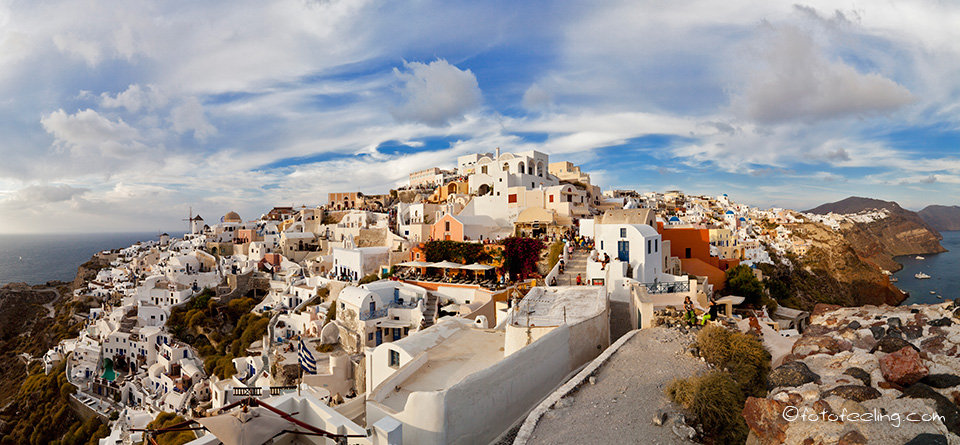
436, 93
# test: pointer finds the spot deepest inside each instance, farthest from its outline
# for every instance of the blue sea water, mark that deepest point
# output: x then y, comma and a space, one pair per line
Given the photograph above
36, 259
943, 268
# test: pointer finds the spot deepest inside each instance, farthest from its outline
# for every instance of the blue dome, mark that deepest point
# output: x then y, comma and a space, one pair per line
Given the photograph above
729, 212
742, 219
674, 218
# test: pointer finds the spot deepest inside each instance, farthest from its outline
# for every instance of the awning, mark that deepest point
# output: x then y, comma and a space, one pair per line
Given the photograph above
415, 264
255, 426
477, 267
392, 324
446, 265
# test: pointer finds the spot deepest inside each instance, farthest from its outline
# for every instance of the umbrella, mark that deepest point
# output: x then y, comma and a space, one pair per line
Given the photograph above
414, 264
253, 426
446, 265
477, 267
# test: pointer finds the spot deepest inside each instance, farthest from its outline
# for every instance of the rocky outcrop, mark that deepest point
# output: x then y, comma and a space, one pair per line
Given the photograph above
896, 377
88, 271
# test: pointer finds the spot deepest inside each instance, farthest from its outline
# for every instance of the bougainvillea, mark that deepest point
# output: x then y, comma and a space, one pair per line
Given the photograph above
520, 255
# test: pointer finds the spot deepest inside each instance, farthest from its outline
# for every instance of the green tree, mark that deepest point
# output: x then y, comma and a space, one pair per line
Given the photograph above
742, 282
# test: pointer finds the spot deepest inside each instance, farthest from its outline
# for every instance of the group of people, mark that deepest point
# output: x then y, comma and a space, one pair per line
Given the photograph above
690, 315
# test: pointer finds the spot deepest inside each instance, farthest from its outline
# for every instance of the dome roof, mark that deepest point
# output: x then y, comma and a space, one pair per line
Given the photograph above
232, 217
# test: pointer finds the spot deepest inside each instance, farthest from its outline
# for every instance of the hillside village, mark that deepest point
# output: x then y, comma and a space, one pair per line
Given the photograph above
353, 319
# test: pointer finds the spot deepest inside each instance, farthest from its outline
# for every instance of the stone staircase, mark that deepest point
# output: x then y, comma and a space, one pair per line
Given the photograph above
575, 264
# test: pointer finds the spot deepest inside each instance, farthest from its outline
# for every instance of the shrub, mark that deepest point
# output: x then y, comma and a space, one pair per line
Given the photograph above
556, 249
716, 402
369, 279
716, 399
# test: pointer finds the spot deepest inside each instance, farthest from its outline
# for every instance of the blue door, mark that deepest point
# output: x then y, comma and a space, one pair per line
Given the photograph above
623, 251
379, 337
373, 307
396, 334
396, 295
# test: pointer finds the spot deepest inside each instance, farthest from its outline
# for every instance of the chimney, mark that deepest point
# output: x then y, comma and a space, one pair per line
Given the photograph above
498, 153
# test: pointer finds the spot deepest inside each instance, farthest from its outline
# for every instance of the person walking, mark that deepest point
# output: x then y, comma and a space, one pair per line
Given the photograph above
579, 280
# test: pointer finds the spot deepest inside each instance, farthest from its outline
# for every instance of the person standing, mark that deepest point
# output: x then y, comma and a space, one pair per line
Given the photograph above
579, 280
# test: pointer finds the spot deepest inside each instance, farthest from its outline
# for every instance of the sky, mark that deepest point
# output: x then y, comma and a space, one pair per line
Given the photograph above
125, 116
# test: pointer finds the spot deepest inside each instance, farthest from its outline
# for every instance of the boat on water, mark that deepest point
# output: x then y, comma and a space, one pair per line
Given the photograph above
939, 296
893, 279
932, 292
920, 257
921, 276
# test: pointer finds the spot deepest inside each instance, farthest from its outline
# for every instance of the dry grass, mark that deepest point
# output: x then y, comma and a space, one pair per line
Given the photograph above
741, 366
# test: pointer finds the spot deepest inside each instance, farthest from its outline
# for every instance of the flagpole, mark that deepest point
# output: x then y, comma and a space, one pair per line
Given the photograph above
300, 374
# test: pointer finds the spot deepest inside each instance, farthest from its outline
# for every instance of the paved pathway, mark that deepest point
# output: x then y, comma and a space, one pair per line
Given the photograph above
620, 407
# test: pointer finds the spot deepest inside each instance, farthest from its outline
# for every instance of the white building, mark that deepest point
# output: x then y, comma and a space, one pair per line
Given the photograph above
379, 312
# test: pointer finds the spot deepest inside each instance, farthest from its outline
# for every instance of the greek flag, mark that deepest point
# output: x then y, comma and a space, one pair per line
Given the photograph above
307, 362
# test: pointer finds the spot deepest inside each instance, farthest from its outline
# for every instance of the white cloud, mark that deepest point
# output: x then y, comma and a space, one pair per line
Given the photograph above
796, 80
189, 116
436, 93
134, 98
80, 48
87, 132
537, 97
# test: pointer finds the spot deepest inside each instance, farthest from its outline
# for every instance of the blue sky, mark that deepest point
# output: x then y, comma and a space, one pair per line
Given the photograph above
121, 117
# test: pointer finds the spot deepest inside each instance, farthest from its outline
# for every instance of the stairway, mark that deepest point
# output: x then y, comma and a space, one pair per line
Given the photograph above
575, 264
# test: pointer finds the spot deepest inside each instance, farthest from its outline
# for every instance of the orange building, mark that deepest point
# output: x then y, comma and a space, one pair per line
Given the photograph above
692, 246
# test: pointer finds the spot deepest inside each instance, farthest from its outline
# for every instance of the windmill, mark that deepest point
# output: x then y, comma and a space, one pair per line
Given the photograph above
189, 221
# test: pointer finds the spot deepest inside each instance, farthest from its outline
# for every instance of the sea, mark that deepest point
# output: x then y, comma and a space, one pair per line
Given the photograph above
943, 268
36, 259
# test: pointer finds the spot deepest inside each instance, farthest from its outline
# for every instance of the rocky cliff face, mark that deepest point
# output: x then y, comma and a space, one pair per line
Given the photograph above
833, 271
941, 217
901, 233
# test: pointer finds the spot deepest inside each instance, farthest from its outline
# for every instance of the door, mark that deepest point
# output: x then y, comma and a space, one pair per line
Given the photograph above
396, 334
623, 251
379, 337
396, 295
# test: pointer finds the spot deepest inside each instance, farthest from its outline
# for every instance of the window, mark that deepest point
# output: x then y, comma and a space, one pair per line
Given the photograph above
446, 226
551, 198
483, 169
370, 336
656, 245
512, 198
649, 247
394, 359
687, 252
623, 233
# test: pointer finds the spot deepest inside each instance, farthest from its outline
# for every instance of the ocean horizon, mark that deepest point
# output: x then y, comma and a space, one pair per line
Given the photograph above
39, 258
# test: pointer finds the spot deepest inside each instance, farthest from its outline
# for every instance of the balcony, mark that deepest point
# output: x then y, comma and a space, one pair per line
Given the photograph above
367, 315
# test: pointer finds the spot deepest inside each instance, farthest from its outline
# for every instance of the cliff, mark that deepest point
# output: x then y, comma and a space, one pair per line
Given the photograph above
939, 217
832, 271
902, 232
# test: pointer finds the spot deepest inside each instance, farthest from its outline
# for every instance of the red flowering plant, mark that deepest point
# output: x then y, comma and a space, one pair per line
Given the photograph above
520, 255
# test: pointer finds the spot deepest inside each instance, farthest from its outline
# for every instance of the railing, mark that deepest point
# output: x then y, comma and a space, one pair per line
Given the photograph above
668, 287
367, 315
250, 391
280, 390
